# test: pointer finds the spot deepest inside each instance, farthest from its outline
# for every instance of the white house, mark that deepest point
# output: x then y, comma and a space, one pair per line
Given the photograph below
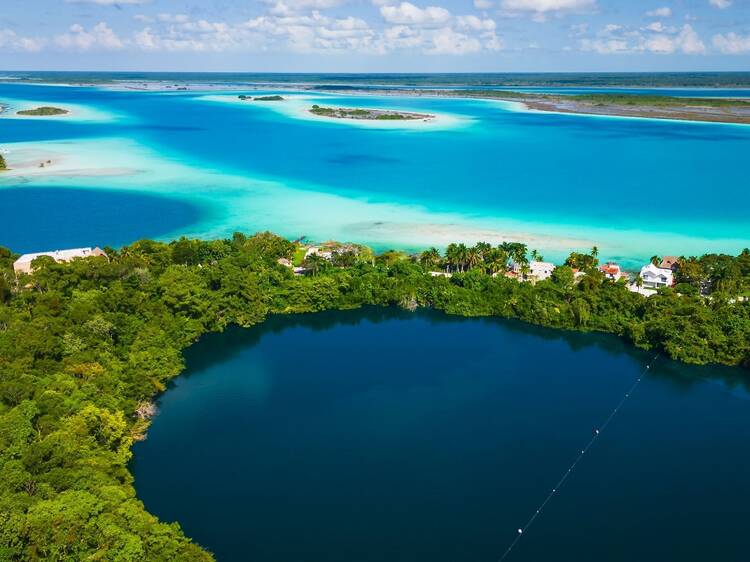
656, 277
23, 264
538, 270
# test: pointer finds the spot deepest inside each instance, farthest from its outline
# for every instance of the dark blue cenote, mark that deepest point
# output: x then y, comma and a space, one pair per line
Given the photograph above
377, 434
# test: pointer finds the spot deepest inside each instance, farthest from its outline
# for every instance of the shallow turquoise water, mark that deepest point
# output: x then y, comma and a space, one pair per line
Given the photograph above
633, 187
288, 442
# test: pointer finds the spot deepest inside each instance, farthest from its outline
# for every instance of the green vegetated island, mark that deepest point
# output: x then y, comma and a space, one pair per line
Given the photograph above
368, 114
720, 110
261, 98
87, 344
43, 111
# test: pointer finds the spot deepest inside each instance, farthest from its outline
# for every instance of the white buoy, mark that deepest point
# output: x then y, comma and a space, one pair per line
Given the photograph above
520, 531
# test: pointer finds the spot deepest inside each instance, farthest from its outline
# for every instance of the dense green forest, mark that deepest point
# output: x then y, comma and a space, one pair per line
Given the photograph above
85, 346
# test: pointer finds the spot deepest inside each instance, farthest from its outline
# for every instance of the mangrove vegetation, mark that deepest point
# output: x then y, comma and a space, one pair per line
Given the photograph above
85, 347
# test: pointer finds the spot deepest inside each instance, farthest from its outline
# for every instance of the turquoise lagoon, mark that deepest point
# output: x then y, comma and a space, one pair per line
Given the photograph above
482, 170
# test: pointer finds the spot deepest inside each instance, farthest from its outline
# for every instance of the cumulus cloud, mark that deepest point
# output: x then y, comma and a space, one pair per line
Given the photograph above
721, 4
655, 38
81, 39
291, 7
540, 9
657, 27
483, 4
732, 43
407, 13
12, 41
663, 12
289, 26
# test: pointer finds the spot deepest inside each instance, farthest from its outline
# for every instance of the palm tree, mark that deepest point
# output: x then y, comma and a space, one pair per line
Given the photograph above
483, 248
473, 257
451, 256
462, 255
496, 261
430, 258
595, 252
656, 260
314, 263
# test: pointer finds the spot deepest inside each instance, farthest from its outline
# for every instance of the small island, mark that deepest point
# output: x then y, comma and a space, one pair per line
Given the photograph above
261, 98
3, 165
367, 114
43, 111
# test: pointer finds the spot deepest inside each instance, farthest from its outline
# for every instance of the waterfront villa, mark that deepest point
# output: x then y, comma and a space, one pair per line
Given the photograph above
656, 277
537, 270
23, 264
613, 272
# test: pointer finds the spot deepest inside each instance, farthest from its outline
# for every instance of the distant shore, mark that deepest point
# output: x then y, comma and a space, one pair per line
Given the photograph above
713, 110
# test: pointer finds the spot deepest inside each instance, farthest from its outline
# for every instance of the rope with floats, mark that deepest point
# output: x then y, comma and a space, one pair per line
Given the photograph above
597, 432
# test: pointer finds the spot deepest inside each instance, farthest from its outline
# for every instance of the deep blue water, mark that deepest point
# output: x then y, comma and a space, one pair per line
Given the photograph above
38, 219
378, 435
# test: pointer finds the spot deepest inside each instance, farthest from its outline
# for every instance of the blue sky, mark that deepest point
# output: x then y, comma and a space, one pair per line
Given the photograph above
375, 35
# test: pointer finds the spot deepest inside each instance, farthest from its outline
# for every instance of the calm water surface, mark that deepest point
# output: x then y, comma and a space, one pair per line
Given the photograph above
607, 181
35, 219
380, 435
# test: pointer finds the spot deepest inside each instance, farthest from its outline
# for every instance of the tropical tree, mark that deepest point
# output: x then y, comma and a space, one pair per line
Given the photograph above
430, 258
473, 257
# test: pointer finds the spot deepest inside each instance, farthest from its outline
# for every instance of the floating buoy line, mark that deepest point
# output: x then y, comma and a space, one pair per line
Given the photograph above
597, 432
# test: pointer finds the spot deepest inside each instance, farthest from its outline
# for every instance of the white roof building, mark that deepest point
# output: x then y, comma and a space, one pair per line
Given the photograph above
538, 270
23, 264
656, 277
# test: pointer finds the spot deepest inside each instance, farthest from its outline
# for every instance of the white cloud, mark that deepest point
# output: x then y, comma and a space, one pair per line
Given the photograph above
657, 39
290, 7
663, 12
656, 27
732, 43
10, 40
293, 26
541, 8
689, 42
447, 41
99, 36
721, 4
407, 13
483, 4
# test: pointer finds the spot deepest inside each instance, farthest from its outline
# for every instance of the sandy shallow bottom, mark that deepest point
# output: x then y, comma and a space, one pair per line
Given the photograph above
251, 204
